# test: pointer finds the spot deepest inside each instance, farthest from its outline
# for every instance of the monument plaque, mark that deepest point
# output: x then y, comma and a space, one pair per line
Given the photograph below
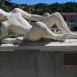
70, 58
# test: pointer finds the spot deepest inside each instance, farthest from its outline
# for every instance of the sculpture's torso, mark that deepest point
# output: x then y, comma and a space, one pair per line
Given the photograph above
18, 24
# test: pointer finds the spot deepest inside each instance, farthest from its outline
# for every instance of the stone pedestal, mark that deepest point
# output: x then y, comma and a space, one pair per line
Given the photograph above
38, 59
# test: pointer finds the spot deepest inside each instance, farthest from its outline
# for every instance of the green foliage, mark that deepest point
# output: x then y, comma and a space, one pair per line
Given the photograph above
14, 5
54, 26
6, 8
41, 8
56, 7
13, 35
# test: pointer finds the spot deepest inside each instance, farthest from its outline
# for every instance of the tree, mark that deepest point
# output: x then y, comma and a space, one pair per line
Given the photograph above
14, 5
3, 2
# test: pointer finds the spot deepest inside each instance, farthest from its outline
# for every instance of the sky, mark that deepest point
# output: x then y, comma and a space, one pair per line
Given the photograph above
32, 2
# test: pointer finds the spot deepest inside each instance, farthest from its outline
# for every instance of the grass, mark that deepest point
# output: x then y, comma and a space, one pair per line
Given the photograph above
13, 35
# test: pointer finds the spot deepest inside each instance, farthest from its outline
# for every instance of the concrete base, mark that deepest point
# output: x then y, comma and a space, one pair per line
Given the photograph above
39, 59
43, 45
34, 64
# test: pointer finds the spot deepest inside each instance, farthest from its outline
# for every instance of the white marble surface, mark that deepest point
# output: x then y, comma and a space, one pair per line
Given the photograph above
67, 42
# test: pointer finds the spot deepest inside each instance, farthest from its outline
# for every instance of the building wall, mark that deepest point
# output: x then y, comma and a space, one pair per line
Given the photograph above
71, 19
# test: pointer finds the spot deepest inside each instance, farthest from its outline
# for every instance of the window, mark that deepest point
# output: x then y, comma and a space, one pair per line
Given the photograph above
71, 20
71, 16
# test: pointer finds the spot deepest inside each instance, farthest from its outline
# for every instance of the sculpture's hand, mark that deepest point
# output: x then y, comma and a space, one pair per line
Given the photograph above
33, 17
46, 15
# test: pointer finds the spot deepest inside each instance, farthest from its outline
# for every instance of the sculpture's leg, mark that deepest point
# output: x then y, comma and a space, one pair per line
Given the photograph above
40, 30
57, 19
5, 32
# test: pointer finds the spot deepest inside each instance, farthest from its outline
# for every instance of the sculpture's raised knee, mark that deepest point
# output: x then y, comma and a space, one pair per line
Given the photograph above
57, 14
4, 25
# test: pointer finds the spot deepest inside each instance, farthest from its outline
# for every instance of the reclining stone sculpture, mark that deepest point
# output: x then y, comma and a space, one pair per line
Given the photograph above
16, 21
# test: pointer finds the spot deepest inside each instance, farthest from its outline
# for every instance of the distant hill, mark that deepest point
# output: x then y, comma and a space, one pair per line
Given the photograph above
41, 8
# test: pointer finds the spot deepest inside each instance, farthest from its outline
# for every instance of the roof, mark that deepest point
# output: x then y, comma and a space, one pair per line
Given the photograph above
27, 11
69, 13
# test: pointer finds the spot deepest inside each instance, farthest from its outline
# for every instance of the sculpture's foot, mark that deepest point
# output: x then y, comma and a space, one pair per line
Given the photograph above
72, 36
61, 37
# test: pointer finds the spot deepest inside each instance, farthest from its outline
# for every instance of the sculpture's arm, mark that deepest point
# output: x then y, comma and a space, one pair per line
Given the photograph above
37, 17
28, 16
33, 17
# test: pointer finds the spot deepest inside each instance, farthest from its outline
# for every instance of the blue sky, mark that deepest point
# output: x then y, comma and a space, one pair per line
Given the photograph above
32, 2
